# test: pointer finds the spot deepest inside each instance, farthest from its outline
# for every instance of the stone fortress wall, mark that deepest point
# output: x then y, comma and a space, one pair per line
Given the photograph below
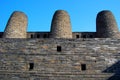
60, 59
60, 56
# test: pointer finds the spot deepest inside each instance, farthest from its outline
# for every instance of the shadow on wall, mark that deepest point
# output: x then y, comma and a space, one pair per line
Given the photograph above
115, 68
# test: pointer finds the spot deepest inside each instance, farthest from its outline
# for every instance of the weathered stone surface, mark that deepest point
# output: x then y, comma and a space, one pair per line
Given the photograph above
58, 58
101, 59
16, 26
106, 25
61, 25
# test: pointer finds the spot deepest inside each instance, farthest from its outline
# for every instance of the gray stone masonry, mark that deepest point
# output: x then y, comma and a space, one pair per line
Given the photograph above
60, 59
16, 26
106, 26
61, 25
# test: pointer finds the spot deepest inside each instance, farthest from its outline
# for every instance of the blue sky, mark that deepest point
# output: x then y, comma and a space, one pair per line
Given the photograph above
40, 12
